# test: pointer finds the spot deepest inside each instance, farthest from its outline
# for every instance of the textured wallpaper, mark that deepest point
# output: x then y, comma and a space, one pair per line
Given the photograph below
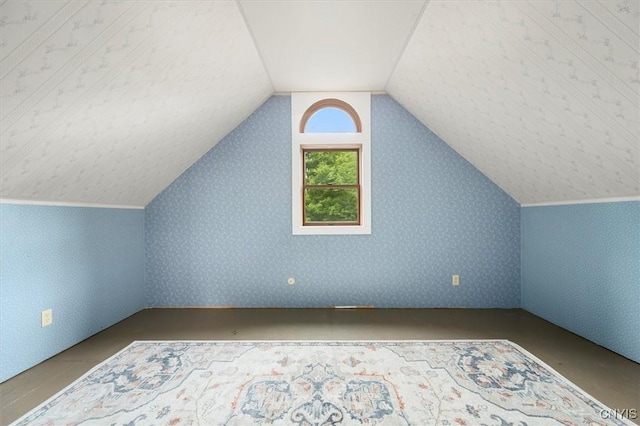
87, 264
221, 233
109, 101
581, 270
542, 96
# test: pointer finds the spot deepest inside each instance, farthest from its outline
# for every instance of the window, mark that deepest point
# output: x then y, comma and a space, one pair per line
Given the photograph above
330, 116
331, 187
331, 191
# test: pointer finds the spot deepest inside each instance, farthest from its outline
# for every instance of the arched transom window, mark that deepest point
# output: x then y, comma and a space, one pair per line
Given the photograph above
330, 116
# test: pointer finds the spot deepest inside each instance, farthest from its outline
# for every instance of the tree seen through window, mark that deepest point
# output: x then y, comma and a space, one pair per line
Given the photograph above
331, 187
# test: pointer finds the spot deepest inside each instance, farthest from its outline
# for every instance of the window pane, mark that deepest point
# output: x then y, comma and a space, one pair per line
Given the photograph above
331, 167
330, 120
331, 205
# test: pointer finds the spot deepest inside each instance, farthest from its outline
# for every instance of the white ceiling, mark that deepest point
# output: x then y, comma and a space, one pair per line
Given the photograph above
108, 102
331, 45
540, 96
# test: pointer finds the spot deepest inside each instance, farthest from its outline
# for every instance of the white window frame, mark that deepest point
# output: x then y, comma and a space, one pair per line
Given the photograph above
361, 102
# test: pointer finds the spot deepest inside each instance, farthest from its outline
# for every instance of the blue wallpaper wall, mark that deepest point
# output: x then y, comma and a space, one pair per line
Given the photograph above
221, 233
87, 264
581, 270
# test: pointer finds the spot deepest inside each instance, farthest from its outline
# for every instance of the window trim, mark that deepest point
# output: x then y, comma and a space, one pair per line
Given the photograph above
301, 103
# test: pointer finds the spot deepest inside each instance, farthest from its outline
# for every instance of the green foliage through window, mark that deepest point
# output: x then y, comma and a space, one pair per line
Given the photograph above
331, 186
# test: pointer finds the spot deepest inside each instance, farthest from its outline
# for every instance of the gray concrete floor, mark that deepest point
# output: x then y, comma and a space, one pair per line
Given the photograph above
609, 377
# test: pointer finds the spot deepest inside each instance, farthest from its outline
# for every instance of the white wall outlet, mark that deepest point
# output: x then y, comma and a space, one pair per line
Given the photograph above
291, 281
455, 279
47, 317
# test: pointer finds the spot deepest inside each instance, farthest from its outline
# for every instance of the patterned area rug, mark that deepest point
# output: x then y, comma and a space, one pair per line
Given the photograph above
483, 382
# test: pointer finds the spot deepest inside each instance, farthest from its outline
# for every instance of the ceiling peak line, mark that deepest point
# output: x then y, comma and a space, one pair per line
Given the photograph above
255, 44
407, 41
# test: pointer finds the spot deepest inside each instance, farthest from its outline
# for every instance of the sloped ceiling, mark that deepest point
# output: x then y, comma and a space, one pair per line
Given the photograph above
540, 96
107, 102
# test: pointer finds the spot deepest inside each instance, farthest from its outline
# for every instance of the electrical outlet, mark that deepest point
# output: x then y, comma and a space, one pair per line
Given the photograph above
47, 317
455, 279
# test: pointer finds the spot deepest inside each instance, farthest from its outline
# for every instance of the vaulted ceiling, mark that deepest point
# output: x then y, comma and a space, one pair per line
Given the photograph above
108, 102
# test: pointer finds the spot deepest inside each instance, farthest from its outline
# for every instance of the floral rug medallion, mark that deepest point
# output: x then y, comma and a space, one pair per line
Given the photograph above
420, 383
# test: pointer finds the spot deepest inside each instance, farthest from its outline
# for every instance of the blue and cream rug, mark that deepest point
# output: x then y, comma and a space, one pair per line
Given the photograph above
465, 382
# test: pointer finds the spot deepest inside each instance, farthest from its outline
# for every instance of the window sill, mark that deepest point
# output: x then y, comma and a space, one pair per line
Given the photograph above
332, 230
